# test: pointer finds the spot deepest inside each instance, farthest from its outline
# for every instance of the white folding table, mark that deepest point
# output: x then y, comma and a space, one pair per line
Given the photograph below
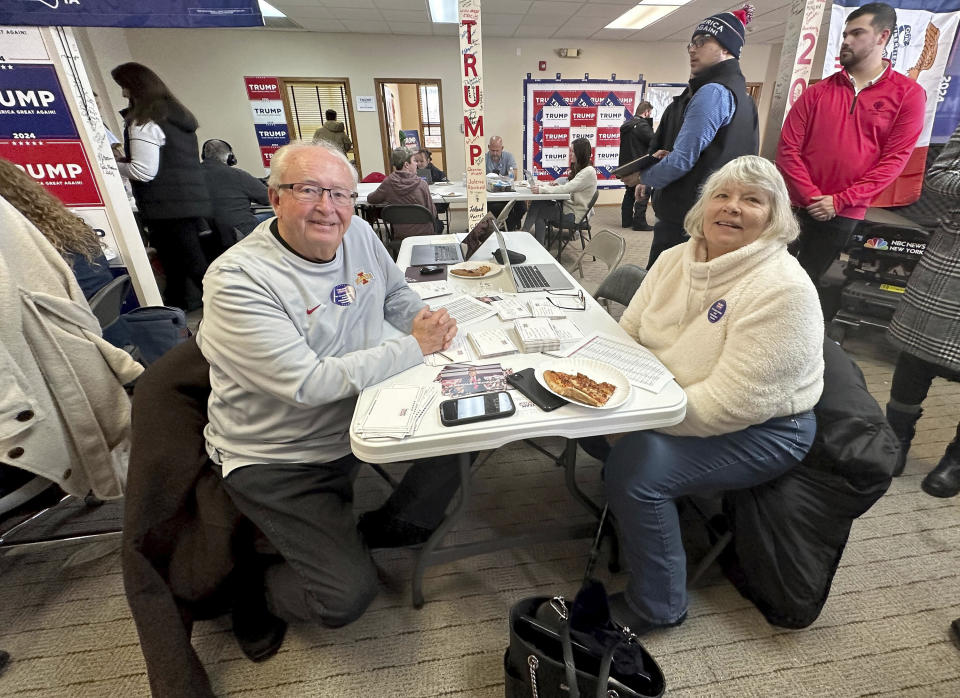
642, 410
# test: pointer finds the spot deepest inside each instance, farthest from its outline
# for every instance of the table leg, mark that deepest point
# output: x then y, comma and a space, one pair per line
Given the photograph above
451, 519
569, 458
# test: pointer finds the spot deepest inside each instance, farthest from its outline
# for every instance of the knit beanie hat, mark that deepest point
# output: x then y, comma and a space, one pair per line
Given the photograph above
728, 28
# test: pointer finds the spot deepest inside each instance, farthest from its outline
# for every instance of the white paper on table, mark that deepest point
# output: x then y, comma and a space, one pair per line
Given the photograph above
541, 307
510, 308
431, 289
392, 410
465, 309
637, 363
458, 352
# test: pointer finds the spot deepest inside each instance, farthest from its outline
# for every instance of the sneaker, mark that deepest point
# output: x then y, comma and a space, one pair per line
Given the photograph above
623, 615
380, 530
258, 632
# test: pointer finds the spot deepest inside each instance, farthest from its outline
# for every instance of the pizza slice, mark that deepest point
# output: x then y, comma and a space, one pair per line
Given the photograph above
579, 387
481, 270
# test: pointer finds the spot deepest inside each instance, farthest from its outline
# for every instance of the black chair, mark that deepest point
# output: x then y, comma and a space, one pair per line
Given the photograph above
403, 214
562, 233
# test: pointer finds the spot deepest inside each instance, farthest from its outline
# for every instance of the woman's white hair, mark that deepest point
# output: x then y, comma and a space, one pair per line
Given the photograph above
279, 161
753, 171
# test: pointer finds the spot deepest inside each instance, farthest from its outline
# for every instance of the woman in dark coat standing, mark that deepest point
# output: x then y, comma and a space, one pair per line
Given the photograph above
163, 166
926, 327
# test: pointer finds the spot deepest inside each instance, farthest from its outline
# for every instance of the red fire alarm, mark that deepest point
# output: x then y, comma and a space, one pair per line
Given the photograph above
543, 65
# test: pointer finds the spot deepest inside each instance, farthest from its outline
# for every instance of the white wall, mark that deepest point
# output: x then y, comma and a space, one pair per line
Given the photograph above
205, 68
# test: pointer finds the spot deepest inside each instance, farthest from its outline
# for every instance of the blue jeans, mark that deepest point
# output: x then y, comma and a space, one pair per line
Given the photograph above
647, 471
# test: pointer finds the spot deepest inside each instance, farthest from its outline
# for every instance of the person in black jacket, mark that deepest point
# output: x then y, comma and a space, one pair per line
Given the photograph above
232, 190
163, 166
711, 123
635, 137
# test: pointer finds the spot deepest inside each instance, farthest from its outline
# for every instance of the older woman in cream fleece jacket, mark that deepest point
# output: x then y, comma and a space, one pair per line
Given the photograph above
737, 321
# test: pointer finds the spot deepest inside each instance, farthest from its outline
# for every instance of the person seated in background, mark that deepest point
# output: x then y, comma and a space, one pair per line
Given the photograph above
501, 162
333, 131
293, 329
426, 169
403, 186
76, 241
737, 321
581, 186
232, 191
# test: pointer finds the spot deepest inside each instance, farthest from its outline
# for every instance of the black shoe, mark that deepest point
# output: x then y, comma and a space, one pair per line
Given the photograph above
623, 615
380, 530
4, 660
258, 632
642, 226
944, 480
904, 424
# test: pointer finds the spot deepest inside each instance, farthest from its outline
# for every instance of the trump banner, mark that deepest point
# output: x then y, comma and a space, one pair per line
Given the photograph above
922, 48
131, 13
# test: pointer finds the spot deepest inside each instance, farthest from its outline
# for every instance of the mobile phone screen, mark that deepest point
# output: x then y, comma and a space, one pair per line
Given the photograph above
476, 407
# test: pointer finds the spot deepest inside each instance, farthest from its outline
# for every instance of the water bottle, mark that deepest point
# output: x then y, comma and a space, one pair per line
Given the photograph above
510, 173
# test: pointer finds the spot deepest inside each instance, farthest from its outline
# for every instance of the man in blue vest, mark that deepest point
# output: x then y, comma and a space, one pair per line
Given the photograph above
712, 122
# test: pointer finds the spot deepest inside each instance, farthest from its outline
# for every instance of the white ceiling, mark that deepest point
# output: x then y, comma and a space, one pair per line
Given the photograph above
528, 19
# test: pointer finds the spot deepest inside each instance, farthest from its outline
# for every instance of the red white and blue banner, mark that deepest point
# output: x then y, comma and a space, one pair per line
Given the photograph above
557, 112
922, 47
131, 13
269, 116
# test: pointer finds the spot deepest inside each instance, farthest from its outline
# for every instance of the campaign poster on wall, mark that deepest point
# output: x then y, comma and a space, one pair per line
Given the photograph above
61, 167
920, 48
557, 112
32, 104
269, 116
947, 114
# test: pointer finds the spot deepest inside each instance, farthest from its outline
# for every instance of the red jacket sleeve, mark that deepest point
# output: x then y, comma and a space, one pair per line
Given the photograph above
896, 151
789, 162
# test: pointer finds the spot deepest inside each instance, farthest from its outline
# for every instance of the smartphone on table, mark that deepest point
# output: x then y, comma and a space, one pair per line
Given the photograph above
526, 382
475, 408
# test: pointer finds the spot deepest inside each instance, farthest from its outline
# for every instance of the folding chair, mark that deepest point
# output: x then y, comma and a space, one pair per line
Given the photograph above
607, 247
562, 233
403, 214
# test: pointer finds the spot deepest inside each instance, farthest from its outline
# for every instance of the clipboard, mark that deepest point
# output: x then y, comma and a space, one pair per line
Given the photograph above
638, 165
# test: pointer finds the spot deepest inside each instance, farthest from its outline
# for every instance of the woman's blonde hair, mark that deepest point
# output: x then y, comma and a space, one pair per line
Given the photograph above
753, 171
65, 231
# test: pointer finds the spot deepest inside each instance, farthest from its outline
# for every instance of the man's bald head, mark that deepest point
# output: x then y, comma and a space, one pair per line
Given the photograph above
495, 148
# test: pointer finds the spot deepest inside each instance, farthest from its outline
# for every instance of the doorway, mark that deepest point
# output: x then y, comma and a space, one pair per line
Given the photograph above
411, 114
306, 101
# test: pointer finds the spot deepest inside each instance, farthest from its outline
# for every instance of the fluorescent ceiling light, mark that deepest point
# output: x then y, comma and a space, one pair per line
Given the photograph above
444, 11
640, 16
268, 10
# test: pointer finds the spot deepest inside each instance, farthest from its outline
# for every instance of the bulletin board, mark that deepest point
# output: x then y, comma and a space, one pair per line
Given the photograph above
557, 112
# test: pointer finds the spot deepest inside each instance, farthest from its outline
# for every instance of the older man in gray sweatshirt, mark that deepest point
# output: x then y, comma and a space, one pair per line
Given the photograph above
293, 328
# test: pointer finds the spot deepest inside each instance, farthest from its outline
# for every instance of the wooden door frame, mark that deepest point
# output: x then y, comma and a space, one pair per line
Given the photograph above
382, 115
288, 112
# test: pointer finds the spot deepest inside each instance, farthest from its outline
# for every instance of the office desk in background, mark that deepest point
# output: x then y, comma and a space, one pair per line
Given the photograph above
642, 410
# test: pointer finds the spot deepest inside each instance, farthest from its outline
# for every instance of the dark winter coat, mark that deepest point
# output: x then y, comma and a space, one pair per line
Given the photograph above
405, 188
334, 132
635, 137
232, 190
789, 533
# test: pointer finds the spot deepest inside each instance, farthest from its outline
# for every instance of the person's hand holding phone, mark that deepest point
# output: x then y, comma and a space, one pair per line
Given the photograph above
433, 330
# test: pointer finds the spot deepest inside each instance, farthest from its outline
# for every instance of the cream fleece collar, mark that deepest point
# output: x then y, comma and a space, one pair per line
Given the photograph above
724, 269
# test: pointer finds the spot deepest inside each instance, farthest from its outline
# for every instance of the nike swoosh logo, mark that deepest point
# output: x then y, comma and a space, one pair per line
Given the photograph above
314, 308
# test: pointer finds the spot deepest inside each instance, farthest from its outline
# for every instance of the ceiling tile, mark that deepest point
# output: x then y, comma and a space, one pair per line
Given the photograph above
528, 31
409, 5
357, 14
507, 7
348, 3
445, 29
406, 16
500, 21
610, 12
553, 9
310, 12
408, 28
319, 24
361, 27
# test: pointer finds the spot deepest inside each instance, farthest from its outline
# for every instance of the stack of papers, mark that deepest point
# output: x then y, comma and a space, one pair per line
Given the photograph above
431, 289
545, 334
493, 342
465, 309
637, 363
395, 412
541, 307
510, 308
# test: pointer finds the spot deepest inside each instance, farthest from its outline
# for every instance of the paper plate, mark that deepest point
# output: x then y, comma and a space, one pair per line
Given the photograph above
494, 270
596, 370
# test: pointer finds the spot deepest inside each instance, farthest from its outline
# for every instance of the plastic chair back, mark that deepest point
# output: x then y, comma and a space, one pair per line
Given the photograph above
107, 303
621, 284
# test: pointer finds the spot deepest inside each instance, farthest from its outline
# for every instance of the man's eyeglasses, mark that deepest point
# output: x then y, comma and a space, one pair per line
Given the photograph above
567, 301
698, 41
311, 193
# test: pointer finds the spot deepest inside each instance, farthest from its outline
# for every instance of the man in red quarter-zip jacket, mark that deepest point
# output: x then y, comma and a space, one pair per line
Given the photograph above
848, 137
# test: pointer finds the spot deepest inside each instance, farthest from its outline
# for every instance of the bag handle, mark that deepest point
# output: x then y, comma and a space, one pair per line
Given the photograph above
568, 664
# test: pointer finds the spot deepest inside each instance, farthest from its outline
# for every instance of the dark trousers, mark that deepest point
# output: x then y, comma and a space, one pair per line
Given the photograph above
912, 378
820, 242
515, 216
665, 236
177, 241
633, 211
306, 512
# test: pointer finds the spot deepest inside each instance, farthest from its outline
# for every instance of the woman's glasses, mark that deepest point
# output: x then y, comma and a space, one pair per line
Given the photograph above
567, 301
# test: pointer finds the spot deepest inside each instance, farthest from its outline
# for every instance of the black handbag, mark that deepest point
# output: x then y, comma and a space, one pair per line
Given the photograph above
561, 651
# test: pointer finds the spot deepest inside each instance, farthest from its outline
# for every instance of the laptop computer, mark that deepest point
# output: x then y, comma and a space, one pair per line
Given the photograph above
532, 277
452, 253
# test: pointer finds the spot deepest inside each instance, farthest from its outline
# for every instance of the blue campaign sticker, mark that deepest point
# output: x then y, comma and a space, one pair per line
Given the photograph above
343, 294
717, 310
